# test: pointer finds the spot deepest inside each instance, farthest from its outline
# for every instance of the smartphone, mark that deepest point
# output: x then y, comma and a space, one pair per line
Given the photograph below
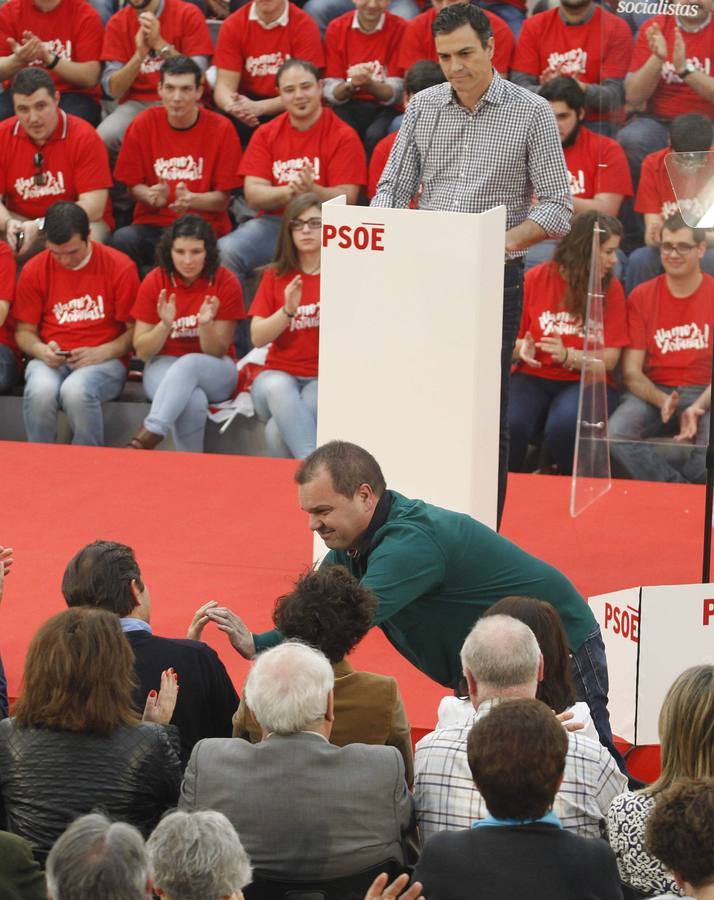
65, 353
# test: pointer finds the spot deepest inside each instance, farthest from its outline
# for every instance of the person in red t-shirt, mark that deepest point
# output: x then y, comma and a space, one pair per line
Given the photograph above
598, 173
286, 315
45, 156
185, 315
691, 133
63, 36
137, 40
667, 367
72, 309
306, 149
9, 360
363, 77
669, 74
584, 42
176, 159
549, 352
252, 45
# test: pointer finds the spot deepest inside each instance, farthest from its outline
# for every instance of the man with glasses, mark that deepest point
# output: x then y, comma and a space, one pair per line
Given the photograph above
667, 367
47, 155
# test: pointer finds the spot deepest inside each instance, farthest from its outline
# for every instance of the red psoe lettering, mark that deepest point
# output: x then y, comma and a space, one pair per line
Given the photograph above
361, 238
377, 233
708, 612
345, 240
329, 232
608, 614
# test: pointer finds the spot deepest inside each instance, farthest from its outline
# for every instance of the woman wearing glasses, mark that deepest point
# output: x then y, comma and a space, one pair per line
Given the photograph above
185, 313
286, 315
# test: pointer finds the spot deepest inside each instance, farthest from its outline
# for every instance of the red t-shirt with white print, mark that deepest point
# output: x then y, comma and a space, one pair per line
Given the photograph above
204, 157
296, 349
257, 52
182, 24
655, 193
73, 30
183, 337
597, 165
418, 41
77, 307
277, 151
543, 315
347, 45
675, 332
673, 97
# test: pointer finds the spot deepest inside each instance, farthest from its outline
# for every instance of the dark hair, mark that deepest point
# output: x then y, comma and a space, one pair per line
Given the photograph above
101, 575
516, 754
556, 689
573, 256
63, 220
566, 90
294, 63
425, 73
79, 675
349, 467
327, 608
180, 65
452, 17
691, 133
675, 222
188, 226
680, 830
27, 81
286, 257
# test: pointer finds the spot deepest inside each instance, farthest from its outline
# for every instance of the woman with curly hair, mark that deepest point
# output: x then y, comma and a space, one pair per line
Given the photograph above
549, 353
185, 313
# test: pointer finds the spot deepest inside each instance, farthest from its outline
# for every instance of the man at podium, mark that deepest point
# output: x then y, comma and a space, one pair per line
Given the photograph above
478, 142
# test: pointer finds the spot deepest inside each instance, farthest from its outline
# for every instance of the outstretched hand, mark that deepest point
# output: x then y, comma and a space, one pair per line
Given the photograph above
199, 621
160, 707
6, 560
380, 890
238, 632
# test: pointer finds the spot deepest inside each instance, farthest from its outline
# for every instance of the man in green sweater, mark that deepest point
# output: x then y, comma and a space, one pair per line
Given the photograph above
434, 572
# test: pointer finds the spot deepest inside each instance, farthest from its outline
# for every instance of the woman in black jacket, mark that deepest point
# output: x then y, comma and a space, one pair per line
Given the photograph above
75, 744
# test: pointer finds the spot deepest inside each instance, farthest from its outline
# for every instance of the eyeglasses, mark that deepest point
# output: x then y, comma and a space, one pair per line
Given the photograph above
38, 162
314, 224
680, 249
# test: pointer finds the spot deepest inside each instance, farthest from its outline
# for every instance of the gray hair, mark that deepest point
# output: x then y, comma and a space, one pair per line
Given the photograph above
501, 652
198, 856
98, 858
287, 687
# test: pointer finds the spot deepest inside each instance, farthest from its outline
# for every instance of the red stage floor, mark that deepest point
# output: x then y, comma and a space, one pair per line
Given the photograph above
229, 528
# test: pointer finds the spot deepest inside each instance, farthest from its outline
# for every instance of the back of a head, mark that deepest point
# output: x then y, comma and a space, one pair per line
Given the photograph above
99, 859
680, 830
64, 220
100, 574
349, 466
516, 754
328, 609
288, 686
197, 856
501, 653
423, 74
691, 133
564, 89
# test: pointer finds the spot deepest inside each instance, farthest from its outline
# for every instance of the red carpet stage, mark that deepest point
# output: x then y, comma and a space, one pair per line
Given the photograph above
229, 528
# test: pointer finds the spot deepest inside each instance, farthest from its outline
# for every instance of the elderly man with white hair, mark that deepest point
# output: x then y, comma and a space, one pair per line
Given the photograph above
304, 808
502, 661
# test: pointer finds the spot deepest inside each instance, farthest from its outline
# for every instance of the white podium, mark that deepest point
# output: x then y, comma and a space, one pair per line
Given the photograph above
410, 344
651, 634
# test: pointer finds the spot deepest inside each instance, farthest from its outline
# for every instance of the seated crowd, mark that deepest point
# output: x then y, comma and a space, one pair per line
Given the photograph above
115, 783
196, 167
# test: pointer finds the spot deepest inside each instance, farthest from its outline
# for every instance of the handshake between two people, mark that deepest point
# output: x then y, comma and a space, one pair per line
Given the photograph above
226, 621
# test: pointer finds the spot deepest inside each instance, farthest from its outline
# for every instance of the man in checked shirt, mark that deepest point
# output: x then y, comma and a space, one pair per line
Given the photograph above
478, 142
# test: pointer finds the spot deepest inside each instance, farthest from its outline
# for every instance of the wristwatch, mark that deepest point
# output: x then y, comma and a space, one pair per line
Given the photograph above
688, 69
54, 61
165, 51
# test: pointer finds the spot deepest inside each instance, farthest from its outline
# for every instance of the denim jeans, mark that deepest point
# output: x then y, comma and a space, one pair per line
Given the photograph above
512, 15
512, 307
288, 403
589, 666
249, 246
180, 388
9, 373
635, 420
324, 11
646, 263
138, 242
79, 392
642, 135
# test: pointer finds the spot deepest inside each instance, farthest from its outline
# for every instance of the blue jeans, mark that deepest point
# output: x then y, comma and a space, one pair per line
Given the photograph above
642, 135
138, 242
9, 373
511, 15
249, 246
79, 392
180, 388
324, 11
589, 667
646, 262
635, 420
545, 403
512, 307
288, 403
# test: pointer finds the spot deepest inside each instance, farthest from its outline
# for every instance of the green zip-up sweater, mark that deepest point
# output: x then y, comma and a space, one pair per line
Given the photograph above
435, 572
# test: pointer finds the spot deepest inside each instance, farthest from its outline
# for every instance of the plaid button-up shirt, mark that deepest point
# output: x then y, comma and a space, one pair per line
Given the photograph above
446, 798
506, 151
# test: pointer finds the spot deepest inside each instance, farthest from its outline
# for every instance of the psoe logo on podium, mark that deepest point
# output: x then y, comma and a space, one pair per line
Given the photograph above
365, 236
